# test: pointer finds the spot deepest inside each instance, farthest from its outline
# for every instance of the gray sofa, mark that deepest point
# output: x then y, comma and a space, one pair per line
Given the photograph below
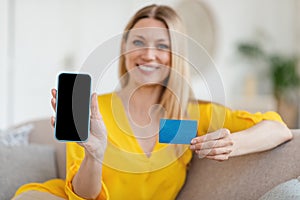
241, 178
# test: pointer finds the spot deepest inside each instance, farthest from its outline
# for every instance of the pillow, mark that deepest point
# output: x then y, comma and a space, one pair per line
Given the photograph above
24, 164
16, 136
289, 190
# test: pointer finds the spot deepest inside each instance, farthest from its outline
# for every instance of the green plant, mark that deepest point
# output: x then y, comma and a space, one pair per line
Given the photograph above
283, 69
284, 74
251, 50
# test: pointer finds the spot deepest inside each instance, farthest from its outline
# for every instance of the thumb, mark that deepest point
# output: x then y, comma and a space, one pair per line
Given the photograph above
95, 107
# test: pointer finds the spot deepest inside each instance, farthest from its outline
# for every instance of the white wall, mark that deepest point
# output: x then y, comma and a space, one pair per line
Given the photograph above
51, 36
43, 37
56, 35
3, 63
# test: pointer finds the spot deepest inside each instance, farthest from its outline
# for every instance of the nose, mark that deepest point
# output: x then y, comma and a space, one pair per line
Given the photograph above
149, 53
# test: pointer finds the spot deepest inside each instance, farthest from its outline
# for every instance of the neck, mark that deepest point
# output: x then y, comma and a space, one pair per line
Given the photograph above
141, 98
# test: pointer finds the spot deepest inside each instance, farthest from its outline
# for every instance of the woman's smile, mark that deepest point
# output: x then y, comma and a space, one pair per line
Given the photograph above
147, 68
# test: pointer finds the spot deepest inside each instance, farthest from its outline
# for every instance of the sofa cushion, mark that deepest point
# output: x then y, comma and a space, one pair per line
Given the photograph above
243, 177
43, 133
24, 164
16, 136
289, 190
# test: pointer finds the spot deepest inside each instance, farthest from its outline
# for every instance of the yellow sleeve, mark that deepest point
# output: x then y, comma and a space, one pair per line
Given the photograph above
75, 155
213, 116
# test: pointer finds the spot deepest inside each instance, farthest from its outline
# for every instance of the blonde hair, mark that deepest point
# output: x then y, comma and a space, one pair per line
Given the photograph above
176, 94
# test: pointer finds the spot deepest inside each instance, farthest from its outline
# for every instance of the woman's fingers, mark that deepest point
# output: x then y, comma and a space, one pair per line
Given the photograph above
220, 138
212, 136
216, 145
223, 142
53, 99
53, 92
53, 104
213, 152
52, 121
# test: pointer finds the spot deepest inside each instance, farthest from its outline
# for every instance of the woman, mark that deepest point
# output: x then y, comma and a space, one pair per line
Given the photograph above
122, 158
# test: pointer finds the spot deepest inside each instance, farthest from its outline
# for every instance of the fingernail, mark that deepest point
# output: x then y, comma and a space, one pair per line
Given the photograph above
193, 141
192, 147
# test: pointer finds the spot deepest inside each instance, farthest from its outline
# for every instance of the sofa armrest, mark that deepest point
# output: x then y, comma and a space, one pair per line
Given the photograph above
243, 177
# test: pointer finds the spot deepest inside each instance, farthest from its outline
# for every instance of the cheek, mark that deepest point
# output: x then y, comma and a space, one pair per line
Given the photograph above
129, 60
167, 72
165, 57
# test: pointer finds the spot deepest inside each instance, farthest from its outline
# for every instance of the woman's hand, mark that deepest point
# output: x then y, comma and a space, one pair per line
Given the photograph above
216, 145
97, 141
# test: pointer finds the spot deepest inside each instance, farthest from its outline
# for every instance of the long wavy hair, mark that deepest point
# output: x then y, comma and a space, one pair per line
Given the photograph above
176, 93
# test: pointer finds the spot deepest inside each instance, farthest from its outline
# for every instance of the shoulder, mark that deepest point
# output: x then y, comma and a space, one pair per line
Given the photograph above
206, 108
206, 104
105, 101
104, 98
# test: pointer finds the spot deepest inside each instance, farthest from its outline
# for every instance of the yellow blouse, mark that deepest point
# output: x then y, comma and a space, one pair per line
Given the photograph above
127, 171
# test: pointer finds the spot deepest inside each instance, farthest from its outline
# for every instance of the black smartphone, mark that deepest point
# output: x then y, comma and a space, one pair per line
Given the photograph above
73, 107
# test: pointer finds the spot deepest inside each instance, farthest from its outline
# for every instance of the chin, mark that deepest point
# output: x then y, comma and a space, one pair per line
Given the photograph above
149, 83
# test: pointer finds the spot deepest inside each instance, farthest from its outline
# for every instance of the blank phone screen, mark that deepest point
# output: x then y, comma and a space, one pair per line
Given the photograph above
72, 107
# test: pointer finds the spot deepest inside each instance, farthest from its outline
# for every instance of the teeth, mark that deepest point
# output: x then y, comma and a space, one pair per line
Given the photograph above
146, 68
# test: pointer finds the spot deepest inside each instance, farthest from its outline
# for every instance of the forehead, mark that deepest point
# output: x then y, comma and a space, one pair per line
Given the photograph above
150, 28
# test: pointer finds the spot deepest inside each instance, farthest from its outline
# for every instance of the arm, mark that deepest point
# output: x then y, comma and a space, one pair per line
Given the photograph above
86, 183
220, 145
251, 132
263, 136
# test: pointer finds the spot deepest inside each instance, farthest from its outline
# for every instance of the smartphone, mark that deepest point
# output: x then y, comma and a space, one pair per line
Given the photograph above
73, 107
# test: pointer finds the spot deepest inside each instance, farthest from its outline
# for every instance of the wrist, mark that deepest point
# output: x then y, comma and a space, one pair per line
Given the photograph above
93, 157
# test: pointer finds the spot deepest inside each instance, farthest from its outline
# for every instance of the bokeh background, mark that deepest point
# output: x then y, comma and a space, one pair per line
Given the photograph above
40, 38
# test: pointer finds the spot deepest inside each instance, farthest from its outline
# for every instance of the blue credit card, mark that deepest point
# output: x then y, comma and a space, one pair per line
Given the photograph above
177, 131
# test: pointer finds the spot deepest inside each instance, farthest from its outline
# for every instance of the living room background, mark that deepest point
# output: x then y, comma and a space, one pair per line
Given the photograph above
41, 38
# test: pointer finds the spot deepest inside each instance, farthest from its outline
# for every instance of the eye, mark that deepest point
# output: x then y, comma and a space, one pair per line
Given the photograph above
163, 46
138, 43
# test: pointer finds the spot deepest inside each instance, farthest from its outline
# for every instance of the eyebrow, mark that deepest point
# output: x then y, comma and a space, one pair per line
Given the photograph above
158, 40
